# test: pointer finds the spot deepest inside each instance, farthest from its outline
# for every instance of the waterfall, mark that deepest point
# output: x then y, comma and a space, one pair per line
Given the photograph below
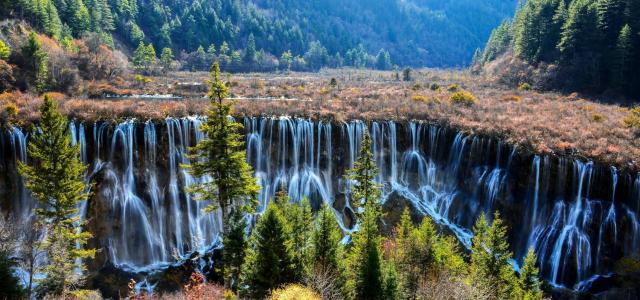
579, 217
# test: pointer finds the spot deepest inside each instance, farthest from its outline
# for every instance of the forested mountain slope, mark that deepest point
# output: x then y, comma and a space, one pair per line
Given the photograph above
575, 45
415, 32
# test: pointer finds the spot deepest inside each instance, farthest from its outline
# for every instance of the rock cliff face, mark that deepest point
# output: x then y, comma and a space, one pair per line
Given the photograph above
580, 217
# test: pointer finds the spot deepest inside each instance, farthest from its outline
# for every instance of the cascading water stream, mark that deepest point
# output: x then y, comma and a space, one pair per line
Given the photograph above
147, 218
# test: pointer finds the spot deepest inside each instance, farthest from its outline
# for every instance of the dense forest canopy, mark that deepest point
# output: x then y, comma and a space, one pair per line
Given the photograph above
438, 33
587, 45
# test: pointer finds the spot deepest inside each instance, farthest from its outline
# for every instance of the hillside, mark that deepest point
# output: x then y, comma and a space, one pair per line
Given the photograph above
577, 45
415, 32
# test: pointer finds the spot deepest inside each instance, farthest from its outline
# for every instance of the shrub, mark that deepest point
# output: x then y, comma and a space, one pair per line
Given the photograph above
419, 98
434, 86
598, 117
294, 292
333, 82
524, 86
416, 87
11, 110
633, 119
6, 76
511, 98
453, 88
406, 74
463, 97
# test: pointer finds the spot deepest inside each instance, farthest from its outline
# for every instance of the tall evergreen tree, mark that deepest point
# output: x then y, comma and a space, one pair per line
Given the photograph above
250, 52
490, 255
166, 59
37, 60
477, 58
326, 253
528, 281
298, 217
139, 55
499, 42
536, 35
365, 254
610, 19
622, 59
56, 179
270, 257
579, 32
235, 247
383, 60
362, 177
221, 155
391, 287
53, 25
80, 19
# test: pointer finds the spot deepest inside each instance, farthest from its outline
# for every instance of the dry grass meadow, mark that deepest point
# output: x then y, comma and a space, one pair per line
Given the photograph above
542, 122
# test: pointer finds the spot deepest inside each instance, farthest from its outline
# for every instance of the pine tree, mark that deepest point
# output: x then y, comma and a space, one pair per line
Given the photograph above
139, 55
477, 58
365, 254
610, 19
54, 25
80, 20
224, 53
298, 217
56, 180
235, 247
415, 256
402, 254
107, 22
149, 56
448, 256
326, 252
270, 257
534, 37
250, 51
166, 59
383, 60
490, 268
406, 74
287, 59
559, 18
37, 60
499, 42
622, 59
528, 281
391, 284
366, 257
579, 32
221, 156
362, 176
211, 50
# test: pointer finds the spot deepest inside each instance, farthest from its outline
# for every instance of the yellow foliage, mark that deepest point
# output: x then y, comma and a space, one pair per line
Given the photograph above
511, 98
633, 119
294, 292
524, 86
463, 97
11, 109
419, 98
598, 117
